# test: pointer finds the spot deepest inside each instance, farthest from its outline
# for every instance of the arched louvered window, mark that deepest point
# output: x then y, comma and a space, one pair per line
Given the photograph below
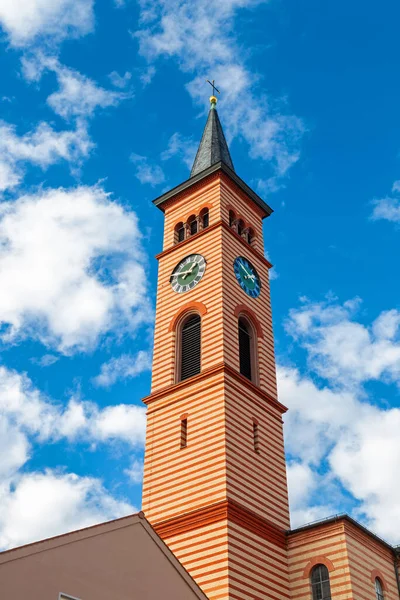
250, 235
240, 227
204, 218
232, 218
321, 589
190, 347
179, 233
245, 349
192, 224
379, 589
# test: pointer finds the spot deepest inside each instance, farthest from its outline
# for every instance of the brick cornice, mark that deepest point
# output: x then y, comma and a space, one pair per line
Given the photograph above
192, 188
226, 510
206, 374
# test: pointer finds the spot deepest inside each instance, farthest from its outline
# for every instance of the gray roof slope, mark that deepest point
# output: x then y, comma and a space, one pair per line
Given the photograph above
213, 147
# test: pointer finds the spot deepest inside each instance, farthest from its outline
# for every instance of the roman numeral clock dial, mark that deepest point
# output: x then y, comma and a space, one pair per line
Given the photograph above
188, 273
247, 276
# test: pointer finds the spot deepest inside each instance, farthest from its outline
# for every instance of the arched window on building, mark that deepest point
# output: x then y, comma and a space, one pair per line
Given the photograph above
192, 224
321, 588
379, 589
247, 349
189, 341
232, 219
240, 227
204, 218
250, 235
179, 233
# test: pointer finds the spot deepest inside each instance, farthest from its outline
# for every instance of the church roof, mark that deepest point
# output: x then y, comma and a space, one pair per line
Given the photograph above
344, 517
116, 559
213, 147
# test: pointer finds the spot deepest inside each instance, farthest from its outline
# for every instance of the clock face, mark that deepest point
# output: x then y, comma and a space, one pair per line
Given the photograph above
188, 273
247, 276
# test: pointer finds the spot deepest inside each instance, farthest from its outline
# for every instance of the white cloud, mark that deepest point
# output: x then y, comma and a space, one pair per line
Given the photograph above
146, 172
343, 350
135, 471
50, 503
71, 268
336, 435
147, 75
303, 482
201, 37
29, 21
46, 360
388, 208
78, 96
120, 81
37, 505
122, 422
182, 148
42, 147
123, 367
25, 411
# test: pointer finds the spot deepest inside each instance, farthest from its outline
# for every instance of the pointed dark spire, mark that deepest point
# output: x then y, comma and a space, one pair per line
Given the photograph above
213, 147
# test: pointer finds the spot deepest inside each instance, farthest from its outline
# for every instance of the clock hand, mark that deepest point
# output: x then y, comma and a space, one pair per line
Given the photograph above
184, 273
248, 274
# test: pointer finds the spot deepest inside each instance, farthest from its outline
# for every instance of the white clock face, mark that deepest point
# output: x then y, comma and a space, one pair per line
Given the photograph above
188, 273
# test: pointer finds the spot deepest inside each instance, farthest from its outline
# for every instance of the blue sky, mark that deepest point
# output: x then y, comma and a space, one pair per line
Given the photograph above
102, 107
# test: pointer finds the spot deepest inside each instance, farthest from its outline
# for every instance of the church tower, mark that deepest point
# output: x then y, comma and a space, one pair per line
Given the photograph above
215, 477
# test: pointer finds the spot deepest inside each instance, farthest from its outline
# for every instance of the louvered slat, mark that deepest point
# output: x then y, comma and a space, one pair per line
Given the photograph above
191, 347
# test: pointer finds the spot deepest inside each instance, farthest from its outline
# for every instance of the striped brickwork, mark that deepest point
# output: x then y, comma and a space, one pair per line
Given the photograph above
369, 559
204, 554
353, 557
259, 479
325, 545
219, 504
178, 480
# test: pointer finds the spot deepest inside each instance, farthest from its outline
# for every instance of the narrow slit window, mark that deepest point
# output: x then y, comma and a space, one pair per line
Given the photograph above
190, 363
245, 349
183, 433
256, 440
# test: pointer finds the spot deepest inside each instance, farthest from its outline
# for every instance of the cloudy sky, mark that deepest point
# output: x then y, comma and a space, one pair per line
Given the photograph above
102, 105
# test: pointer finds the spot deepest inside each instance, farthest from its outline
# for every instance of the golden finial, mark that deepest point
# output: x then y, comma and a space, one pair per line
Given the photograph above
213, 98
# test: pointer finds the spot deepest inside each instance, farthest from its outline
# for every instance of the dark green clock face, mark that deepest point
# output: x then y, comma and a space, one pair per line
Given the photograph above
247, 276
188, 273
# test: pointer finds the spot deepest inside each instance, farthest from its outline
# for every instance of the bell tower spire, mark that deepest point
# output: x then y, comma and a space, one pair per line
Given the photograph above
215, 475
213, 147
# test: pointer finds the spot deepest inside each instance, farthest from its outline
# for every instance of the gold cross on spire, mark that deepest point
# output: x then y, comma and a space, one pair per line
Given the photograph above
212, 83
213, 98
